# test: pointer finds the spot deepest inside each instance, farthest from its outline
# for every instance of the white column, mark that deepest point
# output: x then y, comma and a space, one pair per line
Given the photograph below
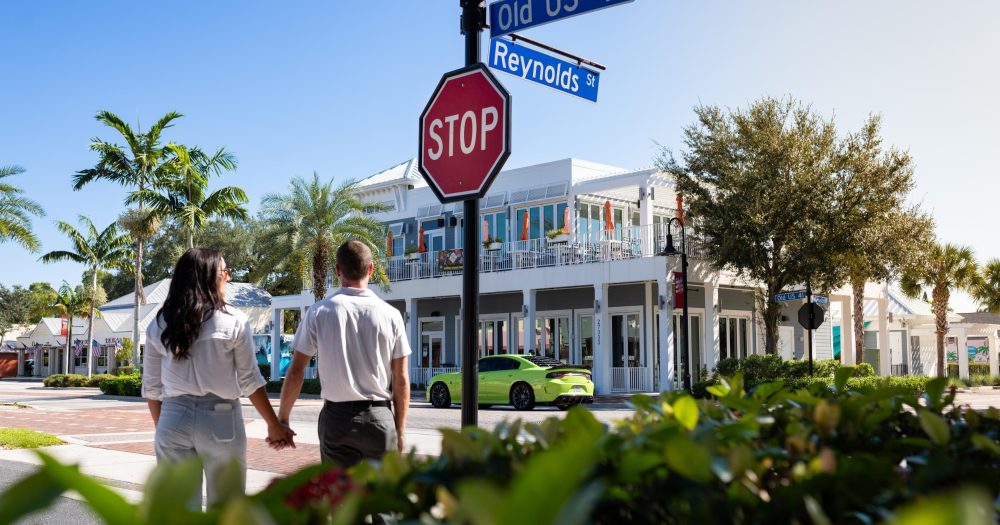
36, 370
277, 321
413, 333
650, 345
884, 355
994, 343
20, 362
646, 221
530, 301
665, 343
711, 330
963, 354
847, 331
602, 340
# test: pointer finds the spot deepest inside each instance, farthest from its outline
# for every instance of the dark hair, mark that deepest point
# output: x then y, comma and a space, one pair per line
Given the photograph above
354, 259
192, 299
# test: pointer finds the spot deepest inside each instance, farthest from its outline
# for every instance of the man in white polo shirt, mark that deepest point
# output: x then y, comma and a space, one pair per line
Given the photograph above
362, 358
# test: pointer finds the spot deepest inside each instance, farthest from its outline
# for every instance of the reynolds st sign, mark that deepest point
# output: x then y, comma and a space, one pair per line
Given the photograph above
540, 68
508, 16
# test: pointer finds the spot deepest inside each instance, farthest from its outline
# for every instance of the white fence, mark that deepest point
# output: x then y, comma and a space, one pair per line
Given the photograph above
631, 379
421, 375
631, 243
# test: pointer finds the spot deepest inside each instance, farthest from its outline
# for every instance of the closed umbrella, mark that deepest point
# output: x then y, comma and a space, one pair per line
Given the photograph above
486, 232
524, 227
680, 208
420, 241
388, 244
566, 221
609, 222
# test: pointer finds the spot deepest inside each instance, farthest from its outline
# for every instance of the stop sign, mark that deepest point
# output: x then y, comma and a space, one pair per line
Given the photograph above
464, 134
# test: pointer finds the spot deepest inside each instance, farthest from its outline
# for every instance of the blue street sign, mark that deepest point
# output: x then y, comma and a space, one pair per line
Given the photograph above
507, 16
790, 296
821, 299
528, 64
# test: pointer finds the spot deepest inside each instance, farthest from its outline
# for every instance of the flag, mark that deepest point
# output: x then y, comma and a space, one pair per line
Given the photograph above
96, 347
77, 347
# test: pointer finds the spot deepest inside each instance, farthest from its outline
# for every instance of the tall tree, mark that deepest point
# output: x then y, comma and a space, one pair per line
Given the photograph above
140, 165
944, 268
16, 311
43, 295
304, 227
987, 288
760, 183
16, 211
184, 197
98, 250
882, 232
70, 303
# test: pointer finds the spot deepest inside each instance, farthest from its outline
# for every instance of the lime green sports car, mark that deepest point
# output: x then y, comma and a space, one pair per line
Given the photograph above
518, 380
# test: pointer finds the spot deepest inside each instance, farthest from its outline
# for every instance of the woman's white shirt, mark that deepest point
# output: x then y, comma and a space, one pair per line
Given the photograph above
222, 361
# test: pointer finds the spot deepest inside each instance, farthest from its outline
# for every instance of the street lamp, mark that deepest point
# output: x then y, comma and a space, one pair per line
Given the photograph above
670, 251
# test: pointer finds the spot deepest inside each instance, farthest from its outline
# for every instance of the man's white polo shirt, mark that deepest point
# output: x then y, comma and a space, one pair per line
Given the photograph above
356, 336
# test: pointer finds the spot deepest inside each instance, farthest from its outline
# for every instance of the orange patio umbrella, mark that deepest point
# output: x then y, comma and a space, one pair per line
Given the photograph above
680, 208
486, 231
420, 241
524, 227
609, 222
388, 244
565, 227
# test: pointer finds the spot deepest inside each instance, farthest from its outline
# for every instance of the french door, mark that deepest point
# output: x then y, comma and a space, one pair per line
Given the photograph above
734, 335
553, 337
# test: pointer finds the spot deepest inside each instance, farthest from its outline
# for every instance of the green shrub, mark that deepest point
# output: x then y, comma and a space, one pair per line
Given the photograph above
839, 455
975, 369
126, 370
70, 380
122, 386
863, 370
309, 386
95, 380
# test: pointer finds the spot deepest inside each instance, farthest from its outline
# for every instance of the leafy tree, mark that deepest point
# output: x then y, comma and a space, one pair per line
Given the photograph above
43, 296
760, 183
987, 288
883, 233
71, 303
142, 164
16, 212
945, 267
17, 302
304, 227
102, 250
183, 195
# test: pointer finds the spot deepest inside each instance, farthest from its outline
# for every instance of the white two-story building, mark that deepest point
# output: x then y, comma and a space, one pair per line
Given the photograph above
570, 268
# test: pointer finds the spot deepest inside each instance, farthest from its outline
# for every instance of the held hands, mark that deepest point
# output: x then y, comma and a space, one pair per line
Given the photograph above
280, 436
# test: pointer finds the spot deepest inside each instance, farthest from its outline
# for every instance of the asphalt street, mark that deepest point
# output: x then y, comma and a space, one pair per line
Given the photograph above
65, 510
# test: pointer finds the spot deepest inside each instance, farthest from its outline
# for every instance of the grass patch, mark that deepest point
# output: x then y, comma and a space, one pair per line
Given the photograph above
24, 438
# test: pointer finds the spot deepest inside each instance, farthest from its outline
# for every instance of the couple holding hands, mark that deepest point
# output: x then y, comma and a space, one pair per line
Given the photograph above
200, 359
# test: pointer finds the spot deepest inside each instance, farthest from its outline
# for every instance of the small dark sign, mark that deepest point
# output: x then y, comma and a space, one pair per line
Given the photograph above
817, 316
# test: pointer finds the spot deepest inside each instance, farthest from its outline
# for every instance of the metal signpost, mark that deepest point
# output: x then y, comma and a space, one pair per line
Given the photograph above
810, 315
507, 16
540, 68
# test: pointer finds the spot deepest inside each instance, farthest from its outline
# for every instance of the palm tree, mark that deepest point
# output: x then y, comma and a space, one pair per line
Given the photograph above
100, 251
946, 266
142, 164
304, 227
987, 289
70, 303
182, 195
16, 211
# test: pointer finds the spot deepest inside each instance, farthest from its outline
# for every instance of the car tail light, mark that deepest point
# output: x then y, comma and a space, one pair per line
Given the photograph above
562, 374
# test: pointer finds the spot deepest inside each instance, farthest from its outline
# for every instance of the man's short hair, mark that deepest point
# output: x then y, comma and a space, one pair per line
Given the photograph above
354, 258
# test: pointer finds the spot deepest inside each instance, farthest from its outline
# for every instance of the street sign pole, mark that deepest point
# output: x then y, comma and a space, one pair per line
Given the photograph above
473, 22
812, 319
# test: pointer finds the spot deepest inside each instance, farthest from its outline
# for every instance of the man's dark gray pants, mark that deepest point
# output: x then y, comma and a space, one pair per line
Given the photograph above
352, 431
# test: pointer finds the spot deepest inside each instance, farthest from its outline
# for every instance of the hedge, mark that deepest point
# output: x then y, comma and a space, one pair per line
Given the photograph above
309, 386
975, 369
122, 386
758, 456
74, 380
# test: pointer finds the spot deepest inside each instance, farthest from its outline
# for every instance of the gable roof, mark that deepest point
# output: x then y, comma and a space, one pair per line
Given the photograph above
240, 295
404, 172
980, 318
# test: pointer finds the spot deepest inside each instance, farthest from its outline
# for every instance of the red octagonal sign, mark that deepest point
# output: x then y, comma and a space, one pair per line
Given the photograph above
464, 134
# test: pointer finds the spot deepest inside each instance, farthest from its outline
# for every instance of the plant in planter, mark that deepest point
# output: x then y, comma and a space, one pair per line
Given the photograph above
412, 253
557, 235
492, 243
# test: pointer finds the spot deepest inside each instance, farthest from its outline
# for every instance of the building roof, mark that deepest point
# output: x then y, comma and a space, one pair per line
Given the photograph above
403, 172
980, 318
240, 295
899, 305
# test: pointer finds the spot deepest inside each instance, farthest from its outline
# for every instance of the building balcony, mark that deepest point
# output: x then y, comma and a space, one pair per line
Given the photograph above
632, 243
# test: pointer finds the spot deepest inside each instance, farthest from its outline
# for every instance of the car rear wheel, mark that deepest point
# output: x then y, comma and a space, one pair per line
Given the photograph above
522, 397
440, 396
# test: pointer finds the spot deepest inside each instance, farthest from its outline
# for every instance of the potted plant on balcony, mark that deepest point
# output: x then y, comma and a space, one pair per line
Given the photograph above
492, 243
557, 236
411, 253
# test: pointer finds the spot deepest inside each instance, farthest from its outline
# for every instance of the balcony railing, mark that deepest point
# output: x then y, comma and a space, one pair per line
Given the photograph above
630, 243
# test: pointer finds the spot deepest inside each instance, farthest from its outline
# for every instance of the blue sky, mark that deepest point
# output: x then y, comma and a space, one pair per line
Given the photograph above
337, 87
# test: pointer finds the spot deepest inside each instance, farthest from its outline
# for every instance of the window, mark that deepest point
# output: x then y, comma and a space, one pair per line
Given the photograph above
496, 225
590, 222
398, 246
541, 219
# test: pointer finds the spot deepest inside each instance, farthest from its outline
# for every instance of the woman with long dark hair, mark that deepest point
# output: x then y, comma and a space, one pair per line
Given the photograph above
200, 359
